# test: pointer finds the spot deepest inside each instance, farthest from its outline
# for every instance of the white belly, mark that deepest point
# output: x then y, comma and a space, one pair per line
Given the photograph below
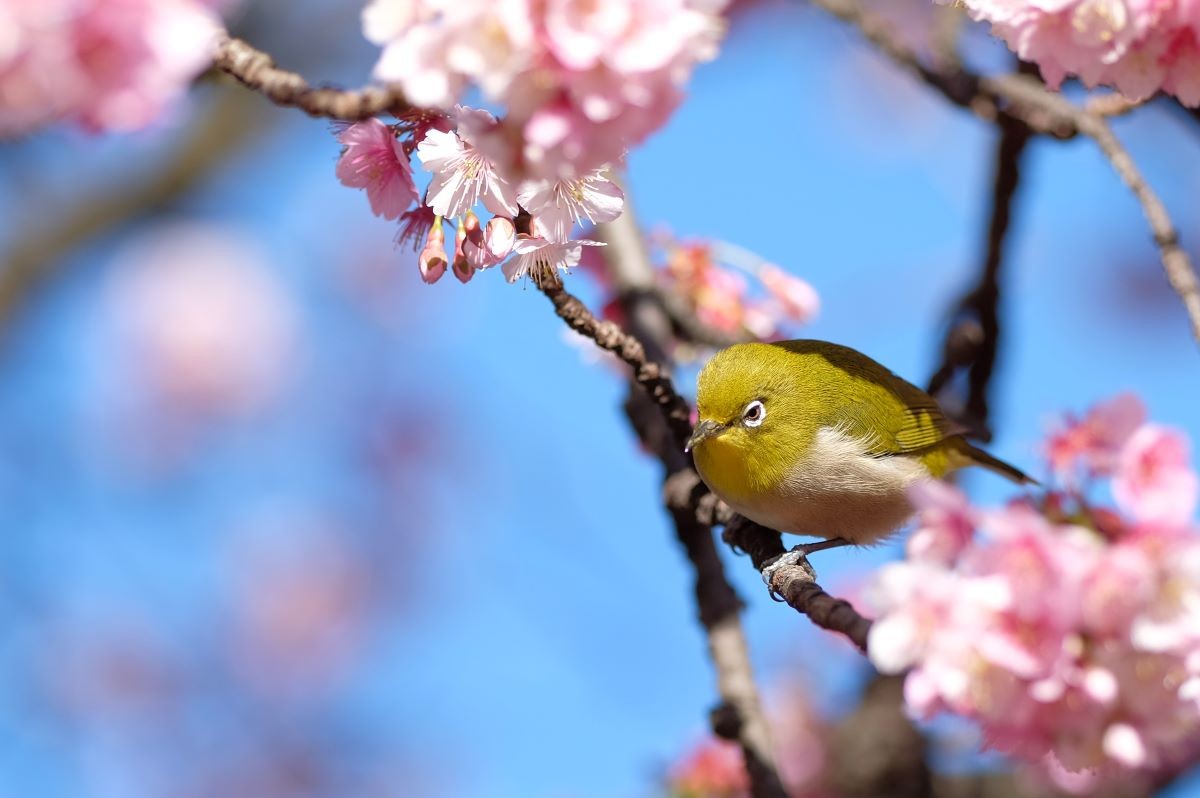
841, 491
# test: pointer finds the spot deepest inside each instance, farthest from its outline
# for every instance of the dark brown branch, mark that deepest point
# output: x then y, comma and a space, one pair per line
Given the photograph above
650, 376
1026, 99
256, 70
797, 584
973, 338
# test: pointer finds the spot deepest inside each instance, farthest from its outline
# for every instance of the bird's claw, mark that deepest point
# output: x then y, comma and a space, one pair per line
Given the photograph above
796, 557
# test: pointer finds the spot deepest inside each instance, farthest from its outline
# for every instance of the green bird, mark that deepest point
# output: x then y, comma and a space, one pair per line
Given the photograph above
818, 439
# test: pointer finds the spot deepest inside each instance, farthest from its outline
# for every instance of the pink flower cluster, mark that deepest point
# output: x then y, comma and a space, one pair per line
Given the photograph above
106, 64
1069, 631
464, 177
715, 280
1138, 46
581, 80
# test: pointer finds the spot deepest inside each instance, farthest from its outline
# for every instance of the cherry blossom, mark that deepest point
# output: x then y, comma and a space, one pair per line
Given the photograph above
463, 176
1154, 481
1139, 47
559, 205
541, 259
581, 82
108, 65
1090, 446
375, 160
1069, 632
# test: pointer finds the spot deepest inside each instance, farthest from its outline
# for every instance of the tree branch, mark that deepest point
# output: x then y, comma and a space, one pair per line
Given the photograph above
973, 338
797, 584
1027, 100
256, 70
663, 423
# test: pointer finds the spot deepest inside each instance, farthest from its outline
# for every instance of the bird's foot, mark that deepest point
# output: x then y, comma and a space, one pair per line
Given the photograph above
798, 557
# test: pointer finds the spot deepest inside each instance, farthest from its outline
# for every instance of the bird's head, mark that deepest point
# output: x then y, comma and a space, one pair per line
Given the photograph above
740, 395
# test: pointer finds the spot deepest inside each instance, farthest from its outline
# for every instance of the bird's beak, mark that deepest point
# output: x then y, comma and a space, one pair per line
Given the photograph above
704, 430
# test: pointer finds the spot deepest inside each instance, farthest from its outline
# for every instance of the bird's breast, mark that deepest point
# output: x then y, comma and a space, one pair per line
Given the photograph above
836, 489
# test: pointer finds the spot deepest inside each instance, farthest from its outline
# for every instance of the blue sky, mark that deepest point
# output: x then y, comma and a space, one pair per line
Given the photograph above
530, 633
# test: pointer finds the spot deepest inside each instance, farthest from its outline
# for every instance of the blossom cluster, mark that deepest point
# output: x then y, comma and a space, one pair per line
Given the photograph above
530, 231
715, 279
1068, 630
105, 64
1138, 46
581, 81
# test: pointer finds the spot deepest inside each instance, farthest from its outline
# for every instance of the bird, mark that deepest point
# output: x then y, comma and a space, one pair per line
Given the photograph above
817, 439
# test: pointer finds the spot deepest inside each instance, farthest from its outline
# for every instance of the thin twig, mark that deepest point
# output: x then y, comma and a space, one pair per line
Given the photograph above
256, 70
1027, 99
973, 338
650, 376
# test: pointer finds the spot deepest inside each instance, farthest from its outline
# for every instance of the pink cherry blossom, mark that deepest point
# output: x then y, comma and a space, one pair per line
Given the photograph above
463, 176
559, 205
375, 160
105, 64
1069, 633
1091, 446
580, 81
209, 330
797, 299
1138, 46
1154, 480
945, 521
541, 259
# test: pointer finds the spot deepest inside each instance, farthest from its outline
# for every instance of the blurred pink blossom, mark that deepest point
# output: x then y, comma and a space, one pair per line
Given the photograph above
105, 64
208, 328
712, 279
1090, 446
1071, 635
375, 160
298, 602
798, 300
945, 521
581, 81
1138, 46
712, 769
1154, 479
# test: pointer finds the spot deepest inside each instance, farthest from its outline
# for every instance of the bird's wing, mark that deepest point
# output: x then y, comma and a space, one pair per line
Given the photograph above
894, 424
890, 414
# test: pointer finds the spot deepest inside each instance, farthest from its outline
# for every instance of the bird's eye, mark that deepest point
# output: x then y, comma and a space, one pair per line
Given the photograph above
754, 414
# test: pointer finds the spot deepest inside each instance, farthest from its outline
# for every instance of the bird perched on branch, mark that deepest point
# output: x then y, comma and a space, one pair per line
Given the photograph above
818, 439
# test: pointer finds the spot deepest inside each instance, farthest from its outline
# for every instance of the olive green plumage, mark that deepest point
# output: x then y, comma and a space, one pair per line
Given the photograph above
791, 431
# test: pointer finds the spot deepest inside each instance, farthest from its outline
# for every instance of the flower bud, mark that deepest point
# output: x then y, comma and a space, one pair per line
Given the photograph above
432, 261
462, 267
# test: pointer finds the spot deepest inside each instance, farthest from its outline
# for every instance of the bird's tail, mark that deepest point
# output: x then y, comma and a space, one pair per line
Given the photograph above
976, 456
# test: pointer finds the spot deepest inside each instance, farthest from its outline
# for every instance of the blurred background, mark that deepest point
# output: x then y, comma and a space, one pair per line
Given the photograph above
281, 520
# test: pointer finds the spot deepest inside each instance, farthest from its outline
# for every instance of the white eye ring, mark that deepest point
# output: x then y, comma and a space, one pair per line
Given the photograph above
754, 414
